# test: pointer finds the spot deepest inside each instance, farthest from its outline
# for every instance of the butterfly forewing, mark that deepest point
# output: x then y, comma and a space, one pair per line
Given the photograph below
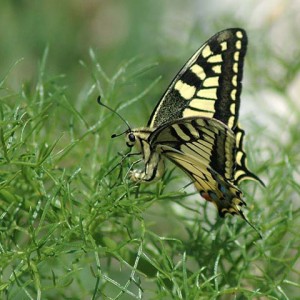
207, 140
205, 150
209, 85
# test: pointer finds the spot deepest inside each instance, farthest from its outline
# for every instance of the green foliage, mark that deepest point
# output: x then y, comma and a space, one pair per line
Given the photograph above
73, 226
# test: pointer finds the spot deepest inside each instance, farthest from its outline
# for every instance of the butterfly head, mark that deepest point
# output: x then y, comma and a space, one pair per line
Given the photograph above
137, 137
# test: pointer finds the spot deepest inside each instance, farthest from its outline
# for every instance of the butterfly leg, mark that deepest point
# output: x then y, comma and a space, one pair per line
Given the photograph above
154, 169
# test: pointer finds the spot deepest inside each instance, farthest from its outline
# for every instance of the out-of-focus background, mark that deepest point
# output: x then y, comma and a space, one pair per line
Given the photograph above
60, 207
158, 31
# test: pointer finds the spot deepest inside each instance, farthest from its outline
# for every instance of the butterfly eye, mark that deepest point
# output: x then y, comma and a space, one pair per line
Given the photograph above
130, 139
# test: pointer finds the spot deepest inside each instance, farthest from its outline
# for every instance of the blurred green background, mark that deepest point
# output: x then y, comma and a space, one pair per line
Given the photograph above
161, 36
167, 32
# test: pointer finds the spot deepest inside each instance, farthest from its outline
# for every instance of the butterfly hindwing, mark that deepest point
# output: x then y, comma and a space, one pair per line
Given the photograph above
211, 185
209, 85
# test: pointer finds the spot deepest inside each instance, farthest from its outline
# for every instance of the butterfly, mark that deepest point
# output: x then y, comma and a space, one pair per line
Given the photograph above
195, 125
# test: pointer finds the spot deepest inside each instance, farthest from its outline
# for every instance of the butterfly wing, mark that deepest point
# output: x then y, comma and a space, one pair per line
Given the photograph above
209, 84
205, 150
211, 185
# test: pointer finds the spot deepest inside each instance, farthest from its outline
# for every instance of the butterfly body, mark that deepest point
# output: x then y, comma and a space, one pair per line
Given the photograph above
154, 163
195, 124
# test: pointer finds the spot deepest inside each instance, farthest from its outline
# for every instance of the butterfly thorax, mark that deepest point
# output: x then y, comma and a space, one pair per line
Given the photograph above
154, 164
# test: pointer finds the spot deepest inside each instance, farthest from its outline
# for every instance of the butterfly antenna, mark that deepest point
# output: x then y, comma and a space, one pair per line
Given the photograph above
115, 112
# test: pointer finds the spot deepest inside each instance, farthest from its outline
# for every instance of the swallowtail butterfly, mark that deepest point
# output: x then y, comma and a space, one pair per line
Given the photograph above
195, 124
